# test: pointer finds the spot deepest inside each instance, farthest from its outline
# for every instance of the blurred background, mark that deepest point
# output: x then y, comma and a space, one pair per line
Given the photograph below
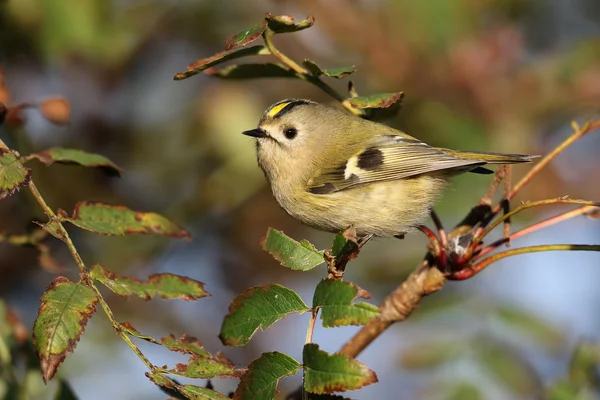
499, 75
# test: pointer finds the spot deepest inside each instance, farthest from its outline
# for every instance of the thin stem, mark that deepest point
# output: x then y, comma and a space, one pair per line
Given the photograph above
531, 205
90, 283
118, 329
63, 232
470, 272
311, 326
305, 75
537, 226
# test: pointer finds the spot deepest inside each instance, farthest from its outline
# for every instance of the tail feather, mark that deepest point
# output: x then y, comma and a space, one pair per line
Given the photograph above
491, 158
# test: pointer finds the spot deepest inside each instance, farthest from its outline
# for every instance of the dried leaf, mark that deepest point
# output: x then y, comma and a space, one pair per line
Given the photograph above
56, 110
205, 63
285, 23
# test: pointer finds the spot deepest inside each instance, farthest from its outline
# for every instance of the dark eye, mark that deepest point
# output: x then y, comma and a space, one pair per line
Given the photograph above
290, 133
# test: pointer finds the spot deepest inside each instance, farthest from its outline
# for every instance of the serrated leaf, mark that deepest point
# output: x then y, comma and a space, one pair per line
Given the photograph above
337, 73
378, 106
285, 23
206, 367
108, 219
64, 311
166, 286
13, 175
185, 344
327, 373
540, 331
290, 253
245, 37
263, 375
74, 156
200, 393
252, 71
258, 308
205, 63
334, 297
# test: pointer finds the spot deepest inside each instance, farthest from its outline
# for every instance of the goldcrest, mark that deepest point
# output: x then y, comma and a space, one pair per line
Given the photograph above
330, 169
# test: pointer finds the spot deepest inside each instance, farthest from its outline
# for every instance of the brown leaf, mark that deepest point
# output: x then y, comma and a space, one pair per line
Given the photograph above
56, 110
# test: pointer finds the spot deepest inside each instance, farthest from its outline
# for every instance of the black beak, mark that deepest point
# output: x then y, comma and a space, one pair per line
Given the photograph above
257, 133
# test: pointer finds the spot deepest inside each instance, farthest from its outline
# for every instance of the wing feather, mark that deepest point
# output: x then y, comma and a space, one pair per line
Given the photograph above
389, 157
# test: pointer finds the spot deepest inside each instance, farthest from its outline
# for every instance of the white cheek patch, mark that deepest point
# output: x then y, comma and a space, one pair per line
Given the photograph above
352, 168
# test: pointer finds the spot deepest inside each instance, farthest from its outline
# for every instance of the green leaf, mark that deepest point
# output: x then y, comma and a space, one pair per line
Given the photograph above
129, 329
378, 106
252, 71
200, 393
65, 392
63, 313
206, 367
258, 307
108, 219
73, 156
245, 37
461, 391
507, 367
166, 286
185, 344
285, 23
263, 375
327, 373
313, 396
300, 256
334, 297
219, 58
429, 355
13, 175
343, 246
540, 331
337, 73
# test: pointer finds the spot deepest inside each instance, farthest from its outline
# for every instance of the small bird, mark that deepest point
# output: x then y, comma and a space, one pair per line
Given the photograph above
330, 169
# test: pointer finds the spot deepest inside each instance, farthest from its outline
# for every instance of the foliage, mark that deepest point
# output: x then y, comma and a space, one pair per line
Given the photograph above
67, 305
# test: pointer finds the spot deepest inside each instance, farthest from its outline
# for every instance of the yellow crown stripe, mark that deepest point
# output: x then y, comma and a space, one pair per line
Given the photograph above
275, 110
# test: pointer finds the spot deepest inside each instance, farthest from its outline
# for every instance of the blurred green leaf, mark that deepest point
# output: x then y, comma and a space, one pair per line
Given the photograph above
206, 367
200, 393
300, 256
327, 373
461, 391
198, 66
13, 175
565, 389
429, 355
258, 307
583, 369
285, 23
528, 323
507, 367
378, 106
110, 219
65, 392
334, 297
73, 156
252, 71
313, 396
263, 375
337, 73
64, 311
166, 286
245, 37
